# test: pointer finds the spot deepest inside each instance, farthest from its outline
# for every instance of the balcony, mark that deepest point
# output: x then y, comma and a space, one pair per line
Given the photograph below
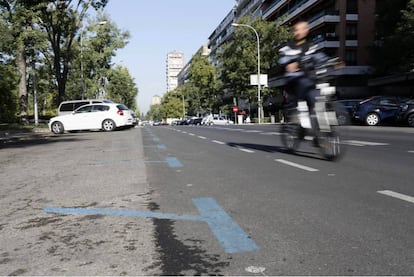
272, 8
324, 17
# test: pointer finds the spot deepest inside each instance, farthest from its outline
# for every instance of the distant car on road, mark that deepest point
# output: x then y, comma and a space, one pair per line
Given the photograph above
219, 120
102, 116
380, 109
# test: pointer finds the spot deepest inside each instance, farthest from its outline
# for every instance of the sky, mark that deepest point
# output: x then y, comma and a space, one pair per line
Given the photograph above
158, 27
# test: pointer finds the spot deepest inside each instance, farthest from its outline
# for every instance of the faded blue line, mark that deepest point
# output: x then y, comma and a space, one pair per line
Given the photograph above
119, 161
93, 211
228, 233
161, 146
173, 162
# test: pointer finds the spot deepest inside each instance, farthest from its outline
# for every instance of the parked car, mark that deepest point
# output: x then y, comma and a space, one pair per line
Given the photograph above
66, 107
103, 116
380, 109
407, 113
195, 121
345, 109
219, 120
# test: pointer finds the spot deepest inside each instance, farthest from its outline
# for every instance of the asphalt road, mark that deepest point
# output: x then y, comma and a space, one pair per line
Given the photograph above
307, 216
183, 200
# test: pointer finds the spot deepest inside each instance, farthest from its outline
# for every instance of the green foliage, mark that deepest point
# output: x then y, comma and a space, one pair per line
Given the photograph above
238, 59
121, 88
154, 113
204, 84
392, 52
8, 94
171, 105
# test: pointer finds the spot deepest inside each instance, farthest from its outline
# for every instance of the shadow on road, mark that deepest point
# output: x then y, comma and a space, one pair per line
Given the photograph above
35, 140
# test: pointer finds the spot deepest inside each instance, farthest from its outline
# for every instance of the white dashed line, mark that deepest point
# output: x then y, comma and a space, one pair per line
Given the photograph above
191, 134
411, 151
271, 134
307, 168
397, 195
246, 150
363, 143
218, 142
202, 137
252, 131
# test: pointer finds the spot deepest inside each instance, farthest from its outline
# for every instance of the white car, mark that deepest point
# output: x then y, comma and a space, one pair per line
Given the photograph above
218, 120
102, 116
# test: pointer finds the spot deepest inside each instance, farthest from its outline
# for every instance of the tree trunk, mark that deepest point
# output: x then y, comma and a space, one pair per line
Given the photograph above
21, 64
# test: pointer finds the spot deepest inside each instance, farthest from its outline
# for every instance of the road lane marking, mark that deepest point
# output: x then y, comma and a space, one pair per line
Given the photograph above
246, 150
397, 195
307, 168
173, 162
218, 142
229, 234
191, 134
161, 146
202, 137
252, 131
271, 134
411, 151
363, 143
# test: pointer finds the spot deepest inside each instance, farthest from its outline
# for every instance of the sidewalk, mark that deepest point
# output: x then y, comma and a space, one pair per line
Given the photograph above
13, 134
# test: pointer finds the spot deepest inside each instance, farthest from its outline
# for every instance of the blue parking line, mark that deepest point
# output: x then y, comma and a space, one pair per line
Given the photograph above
173, 162
93, 211
229, 234
161, 146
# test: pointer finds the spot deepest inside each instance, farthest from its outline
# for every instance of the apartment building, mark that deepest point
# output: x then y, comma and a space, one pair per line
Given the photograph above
175, 63
341, 28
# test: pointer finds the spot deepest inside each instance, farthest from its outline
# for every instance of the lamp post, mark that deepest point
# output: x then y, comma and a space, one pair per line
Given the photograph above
258, 67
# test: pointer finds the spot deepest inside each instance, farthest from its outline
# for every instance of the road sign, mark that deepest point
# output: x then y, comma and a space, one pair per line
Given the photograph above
235, 109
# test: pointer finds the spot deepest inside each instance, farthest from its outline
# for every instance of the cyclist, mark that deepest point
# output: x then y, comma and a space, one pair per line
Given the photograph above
298, 58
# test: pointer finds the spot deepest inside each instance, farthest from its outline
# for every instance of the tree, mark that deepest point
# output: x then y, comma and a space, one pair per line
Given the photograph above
20, 17
121, 88
392, 50
62, 21
238, 58
203, 78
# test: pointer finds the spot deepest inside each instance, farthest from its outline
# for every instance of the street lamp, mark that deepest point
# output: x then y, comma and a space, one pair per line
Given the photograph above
258, 66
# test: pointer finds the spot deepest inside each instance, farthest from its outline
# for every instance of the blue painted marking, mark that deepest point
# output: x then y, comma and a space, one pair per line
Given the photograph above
173, 162
119, 161
92, 211
161, 146
228, 232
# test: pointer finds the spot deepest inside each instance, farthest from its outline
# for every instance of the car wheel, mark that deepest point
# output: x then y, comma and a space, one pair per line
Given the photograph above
108, 125
372, 119
57, 127
410, 119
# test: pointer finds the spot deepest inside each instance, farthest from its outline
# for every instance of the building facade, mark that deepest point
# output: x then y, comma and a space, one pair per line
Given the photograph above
175, 63
340, 28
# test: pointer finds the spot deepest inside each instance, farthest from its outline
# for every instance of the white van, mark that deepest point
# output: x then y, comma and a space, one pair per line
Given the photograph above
69, 106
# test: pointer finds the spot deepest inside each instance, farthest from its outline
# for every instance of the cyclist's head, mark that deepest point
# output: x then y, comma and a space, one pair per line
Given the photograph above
300, 31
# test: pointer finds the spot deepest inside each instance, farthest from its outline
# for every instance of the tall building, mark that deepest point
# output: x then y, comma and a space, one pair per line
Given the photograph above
175, 63
156, 100
341, 28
